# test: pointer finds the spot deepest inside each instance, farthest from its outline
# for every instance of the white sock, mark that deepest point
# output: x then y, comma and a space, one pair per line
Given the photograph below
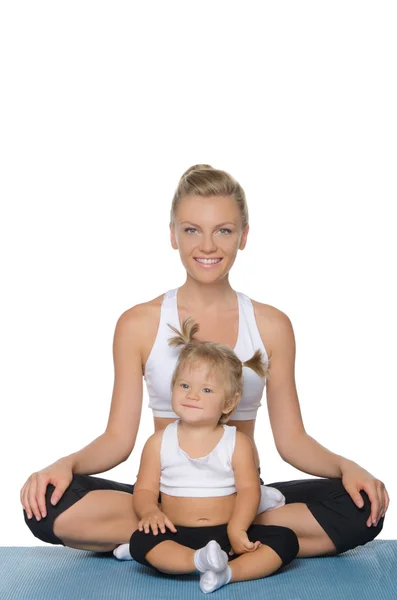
270, 498
211, 581
210, 558
123, 552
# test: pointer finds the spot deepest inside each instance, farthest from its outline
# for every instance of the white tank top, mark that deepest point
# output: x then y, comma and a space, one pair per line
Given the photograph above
162, 360
210, 475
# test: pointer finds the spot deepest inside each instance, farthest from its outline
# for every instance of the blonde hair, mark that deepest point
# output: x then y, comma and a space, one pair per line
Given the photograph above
205, 181
218, 357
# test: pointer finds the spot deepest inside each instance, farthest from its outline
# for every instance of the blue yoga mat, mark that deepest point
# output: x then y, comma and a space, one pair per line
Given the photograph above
57, 573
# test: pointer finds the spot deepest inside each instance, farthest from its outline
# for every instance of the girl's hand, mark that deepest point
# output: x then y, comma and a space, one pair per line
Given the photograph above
240, 542
32, 494
354, 479
156, 520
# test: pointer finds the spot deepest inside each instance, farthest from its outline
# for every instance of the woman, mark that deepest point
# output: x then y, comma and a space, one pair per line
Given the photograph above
209, 224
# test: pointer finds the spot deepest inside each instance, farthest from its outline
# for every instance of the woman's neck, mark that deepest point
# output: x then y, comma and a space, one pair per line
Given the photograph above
197, 294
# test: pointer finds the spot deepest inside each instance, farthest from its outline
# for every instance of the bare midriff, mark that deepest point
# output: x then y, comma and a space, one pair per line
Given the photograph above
202, 512
198, 512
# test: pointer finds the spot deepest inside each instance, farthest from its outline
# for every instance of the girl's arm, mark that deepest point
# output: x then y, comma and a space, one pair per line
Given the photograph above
147, 487
115, 445
247, 486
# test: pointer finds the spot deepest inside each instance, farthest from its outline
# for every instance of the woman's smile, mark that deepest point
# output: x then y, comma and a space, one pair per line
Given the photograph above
207, 263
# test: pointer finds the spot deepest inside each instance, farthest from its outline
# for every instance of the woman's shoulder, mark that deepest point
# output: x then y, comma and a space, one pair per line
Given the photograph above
267, 312
140, 322
137, 327
140, 313
273, 323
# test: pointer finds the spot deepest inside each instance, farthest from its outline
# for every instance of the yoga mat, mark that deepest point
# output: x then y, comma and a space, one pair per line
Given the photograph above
57, 573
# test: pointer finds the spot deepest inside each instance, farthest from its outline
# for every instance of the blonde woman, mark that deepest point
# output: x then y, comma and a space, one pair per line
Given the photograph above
341, 508
207, 476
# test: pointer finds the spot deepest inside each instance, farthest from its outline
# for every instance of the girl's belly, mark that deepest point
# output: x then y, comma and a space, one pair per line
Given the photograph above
198, 512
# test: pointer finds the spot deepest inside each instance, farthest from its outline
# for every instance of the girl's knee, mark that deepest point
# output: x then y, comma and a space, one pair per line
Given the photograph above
138, 547
282, 540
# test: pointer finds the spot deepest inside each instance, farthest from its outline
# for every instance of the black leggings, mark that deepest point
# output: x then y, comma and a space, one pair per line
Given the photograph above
326, 499
281, 539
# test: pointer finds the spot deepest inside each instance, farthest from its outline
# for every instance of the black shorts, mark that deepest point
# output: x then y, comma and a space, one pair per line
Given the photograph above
326, 499
281, 539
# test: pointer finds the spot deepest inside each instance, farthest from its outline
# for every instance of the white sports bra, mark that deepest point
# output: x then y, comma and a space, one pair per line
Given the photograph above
162, 360
210, 475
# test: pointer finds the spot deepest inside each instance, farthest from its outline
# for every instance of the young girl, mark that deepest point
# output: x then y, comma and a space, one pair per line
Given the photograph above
206, 473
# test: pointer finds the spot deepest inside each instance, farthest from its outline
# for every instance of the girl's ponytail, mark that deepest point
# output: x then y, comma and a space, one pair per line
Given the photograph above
257, 364
189, 329
215, 356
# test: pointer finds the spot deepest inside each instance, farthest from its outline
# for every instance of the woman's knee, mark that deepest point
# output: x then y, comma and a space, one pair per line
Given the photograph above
358, 529
344, 521
44, 528
79, 487
367, 534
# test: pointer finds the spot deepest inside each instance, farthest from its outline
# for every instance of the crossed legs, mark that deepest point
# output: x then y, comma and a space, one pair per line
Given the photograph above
97, 514
104, 519
99, 522
172, 558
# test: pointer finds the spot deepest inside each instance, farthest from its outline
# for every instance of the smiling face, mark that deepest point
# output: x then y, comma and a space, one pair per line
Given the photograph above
208, 233
198, 394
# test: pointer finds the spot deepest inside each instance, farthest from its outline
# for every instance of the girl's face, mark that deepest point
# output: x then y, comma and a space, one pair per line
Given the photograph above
207, 232
198, 395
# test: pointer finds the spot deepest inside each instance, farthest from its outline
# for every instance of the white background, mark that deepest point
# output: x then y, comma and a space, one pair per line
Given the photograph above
103, 107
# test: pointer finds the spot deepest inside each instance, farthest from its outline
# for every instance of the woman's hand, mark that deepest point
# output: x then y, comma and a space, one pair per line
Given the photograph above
354, 479
59, 474
155, 519
240, 542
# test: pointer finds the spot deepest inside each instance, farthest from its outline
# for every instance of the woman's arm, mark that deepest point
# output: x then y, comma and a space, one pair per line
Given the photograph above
115, 445
294, 445
298, 448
